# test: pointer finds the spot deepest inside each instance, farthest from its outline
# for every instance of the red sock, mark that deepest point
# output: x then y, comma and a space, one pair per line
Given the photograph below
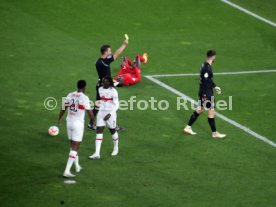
137, 74
142, 59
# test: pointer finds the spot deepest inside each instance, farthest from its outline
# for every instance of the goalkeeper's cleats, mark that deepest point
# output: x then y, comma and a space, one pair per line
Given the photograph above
218, 135
188, 130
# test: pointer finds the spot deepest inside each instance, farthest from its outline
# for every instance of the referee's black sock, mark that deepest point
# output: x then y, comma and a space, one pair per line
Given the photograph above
95, 111
212, 124
193, 118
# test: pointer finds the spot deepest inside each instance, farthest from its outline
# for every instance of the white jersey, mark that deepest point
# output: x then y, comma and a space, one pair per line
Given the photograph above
77, 103
109, 101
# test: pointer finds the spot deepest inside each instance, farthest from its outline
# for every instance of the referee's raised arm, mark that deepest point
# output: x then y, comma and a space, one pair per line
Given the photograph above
120, 50
103, 70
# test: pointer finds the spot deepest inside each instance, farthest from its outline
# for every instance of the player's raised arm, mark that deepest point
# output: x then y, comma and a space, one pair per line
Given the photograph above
121, 49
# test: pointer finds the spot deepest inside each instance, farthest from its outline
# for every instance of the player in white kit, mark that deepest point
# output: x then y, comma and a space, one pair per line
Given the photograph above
107, 117
77, 103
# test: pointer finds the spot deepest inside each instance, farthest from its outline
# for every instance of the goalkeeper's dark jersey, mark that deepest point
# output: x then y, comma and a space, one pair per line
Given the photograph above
206, 83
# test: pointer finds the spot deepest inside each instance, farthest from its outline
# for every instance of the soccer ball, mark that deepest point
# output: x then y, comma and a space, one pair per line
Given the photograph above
53, 131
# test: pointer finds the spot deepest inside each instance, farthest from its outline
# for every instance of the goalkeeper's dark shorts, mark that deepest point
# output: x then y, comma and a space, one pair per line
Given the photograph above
206, 100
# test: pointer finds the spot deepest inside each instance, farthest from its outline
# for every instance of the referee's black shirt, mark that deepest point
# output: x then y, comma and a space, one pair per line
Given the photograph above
206, 83
103, 66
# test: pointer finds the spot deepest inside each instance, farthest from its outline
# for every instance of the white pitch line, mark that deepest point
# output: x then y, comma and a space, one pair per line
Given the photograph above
230, 121
249, 13
220, 73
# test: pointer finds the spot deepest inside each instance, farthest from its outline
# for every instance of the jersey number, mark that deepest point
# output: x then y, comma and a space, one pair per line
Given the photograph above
74, 106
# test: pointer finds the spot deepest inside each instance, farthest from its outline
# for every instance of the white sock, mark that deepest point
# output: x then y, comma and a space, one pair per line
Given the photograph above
115, 138
76, 162
98, 143
71, 159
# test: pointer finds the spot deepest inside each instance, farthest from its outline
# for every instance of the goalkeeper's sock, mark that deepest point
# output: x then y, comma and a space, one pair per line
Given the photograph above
71, 159
193, 118
98, 143
212, 124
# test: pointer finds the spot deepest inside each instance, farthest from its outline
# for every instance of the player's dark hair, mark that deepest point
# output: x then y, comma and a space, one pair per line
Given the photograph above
104, 48
110, 80
211, 53
81, 84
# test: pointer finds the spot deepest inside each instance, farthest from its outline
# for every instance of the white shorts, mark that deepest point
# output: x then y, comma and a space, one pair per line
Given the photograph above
111, 123
75, 130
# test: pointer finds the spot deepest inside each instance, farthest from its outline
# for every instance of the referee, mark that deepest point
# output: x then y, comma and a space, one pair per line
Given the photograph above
206, 97
103, 69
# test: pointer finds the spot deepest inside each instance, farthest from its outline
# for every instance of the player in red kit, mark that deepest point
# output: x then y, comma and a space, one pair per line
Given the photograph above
130, 72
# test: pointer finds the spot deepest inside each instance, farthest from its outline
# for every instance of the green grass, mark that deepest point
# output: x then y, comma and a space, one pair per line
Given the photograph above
265, 8
46, 46
246, 98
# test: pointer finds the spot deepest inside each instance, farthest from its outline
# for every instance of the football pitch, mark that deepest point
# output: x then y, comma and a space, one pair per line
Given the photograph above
46, 46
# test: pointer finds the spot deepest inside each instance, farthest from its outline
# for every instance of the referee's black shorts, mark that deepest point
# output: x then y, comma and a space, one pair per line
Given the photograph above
98, 85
